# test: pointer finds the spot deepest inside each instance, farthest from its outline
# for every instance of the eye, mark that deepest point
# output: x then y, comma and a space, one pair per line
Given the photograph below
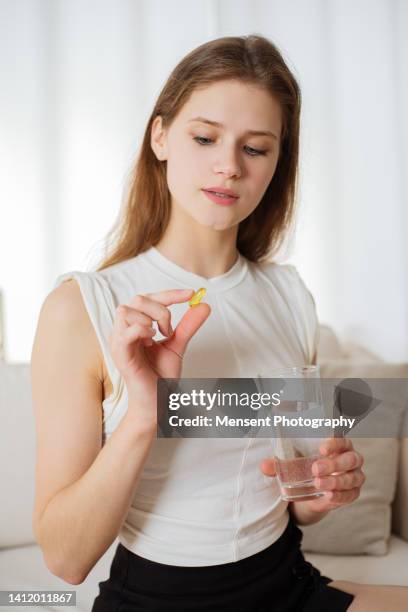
254, 152
201, 140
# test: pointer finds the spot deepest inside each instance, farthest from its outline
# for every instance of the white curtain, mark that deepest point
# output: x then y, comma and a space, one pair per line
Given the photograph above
79, 79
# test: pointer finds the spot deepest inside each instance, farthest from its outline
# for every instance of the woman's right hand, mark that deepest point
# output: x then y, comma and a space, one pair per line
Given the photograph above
140, 359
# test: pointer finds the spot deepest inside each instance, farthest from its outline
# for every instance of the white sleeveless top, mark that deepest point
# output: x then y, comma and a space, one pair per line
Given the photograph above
205, 501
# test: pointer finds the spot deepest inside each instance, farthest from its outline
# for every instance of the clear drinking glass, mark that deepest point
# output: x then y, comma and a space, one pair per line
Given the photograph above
294, 451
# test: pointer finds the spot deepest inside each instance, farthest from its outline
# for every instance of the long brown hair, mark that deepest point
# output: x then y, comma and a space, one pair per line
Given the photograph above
251, 59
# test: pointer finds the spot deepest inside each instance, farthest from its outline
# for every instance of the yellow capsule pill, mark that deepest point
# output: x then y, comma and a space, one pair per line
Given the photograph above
197, 297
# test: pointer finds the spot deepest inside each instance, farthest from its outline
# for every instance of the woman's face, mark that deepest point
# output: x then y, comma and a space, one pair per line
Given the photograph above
209, 144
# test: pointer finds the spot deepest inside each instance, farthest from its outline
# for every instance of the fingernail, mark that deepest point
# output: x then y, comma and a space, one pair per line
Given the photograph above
170, 331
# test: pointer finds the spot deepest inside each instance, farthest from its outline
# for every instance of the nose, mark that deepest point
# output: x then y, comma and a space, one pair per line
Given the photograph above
228, 164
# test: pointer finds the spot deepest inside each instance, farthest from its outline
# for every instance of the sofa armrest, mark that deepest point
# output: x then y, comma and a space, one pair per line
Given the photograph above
400, 504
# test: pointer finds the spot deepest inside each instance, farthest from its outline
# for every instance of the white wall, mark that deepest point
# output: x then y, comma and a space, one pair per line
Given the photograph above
79, 78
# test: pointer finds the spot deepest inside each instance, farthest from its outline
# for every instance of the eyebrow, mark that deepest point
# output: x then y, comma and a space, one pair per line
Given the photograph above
220, 125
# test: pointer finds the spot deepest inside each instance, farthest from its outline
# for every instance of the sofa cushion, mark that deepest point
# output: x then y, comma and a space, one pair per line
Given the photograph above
364, 526
386, 569
400, 505
23, 568
17, 455
329, 347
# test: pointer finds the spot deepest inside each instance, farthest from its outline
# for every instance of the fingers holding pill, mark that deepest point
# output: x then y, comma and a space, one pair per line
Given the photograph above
154, 306
140, 358
133, 329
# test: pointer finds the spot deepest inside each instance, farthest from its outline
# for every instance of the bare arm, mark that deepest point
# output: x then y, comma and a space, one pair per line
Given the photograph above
83, 491
81, 521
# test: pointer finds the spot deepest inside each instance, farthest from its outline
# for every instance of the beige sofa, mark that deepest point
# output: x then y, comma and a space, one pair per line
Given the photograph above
377, 523
21, 563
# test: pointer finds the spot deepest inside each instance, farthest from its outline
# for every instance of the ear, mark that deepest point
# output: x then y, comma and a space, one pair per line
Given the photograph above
158, 139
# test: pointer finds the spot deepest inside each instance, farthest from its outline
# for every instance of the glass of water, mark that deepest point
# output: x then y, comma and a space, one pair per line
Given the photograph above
297, 441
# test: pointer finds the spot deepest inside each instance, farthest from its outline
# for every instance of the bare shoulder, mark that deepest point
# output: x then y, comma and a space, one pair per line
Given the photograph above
65, 304
64, 311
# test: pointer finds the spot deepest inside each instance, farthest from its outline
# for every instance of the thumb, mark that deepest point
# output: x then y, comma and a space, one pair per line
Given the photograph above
187, 327
268, 466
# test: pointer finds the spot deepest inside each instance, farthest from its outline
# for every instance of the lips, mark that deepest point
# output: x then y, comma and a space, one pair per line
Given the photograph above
220, 198
222, 191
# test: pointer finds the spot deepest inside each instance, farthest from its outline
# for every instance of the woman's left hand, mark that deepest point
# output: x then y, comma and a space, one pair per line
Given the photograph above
338, 473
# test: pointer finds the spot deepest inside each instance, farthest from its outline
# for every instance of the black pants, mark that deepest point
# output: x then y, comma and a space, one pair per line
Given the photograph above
277, 579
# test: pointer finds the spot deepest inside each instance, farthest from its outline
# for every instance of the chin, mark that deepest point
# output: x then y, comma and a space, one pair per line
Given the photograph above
216, 224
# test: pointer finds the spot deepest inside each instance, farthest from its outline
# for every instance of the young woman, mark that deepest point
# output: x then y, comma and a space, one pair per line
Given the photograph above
200, 523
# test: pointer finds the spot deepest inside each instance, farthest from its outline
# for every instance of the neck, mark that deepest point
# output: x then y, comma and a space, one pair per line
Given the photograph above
205, 255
